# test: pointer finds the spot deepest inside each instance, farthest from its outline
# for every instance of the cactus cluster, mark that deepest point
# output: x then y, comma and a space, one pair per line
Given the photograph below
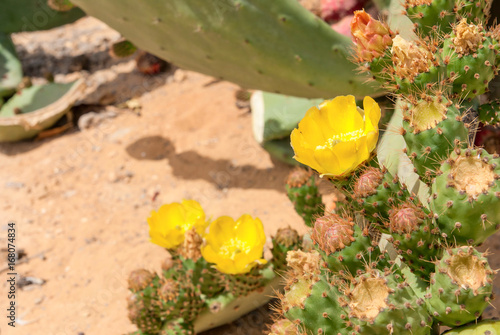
209, 279
396, 258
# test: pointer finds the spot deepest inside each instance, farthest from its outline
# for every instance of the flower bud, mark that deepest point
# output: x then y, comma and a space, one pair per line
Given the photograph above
371, 36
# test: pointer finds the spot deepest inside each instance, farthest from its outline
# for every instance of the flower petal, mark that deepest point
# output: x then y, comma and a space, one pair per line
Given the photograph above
309, 125
303, 153
250, 230
222, 229
343, 115
372, 114
329, 163
168, 225
347, 156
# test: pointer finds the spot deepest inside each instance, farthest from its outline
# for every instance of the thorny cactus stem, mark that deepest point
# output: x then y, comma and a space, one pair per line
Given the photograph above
438, 278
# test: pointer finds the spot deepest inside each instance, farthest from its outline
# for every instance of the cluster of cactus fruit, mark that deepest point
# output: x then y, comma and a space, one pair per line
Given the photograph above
388, 260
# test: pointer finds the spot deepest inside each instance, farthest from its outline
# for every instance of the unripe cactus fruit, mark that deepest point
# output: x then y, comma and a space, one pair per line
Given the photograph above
302, 190
414, 236
307, 292
414, 65
375, 192
344, 245
461, 287
284, 327
466, 196
431, 128
286, 239
383, 303
140, 279
470, 57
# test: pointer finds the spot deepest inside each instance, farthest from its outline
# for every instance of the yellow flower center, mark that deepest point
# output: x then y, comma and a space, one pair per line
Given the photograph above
343, 137
234, 246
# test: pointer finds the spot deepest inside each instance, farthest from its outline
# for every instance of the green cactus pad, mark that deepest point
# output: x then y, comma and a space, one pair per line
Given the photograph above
11, 72
466, 196
302, 190
474, 11
461, 287
36, 108
383, 303
431, 129
241, 285
32, 15
276, 47
434, 16
486, 327
488, 113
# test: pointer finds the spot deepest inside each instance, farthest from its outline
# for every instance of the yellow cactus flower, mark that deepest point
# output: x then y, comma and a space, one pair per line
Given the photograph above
168, 225
337, 137
235, 247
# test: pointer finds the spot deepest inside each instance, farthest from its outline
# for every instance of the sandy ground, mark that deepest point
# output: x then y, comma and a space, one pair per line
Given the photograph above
80, 200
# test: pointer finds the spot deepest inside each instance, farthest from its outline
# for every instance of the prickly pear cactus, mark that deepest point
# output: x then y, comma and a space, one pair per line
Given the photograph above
398, 256
209, 279
254, 43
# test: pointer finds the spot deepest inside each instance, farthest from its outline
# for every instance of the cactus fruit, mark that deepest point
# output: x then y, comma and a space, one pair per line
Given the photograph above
470, 57
302, 190
431, 131
414, 236
466, 195
284, 327
383, 303
307, 291
375, 191
461, 287
286, 239
344, 246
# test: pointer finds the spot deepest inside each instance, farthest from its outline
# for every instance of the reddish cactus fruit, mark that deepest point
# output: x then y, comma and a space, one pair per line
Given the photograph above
333, 233
139, 279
